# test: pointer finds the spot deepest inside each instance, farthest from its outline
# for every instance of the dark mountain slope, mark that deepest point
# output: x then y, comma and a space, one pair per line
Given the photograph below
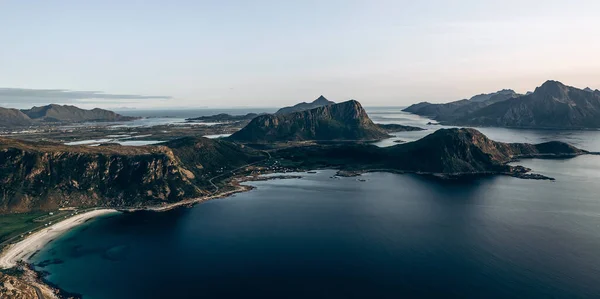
344, 121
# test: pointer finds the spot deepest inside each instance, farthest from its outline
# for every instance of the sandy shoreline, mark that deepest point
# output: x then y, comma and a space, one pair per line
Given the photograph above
23, 249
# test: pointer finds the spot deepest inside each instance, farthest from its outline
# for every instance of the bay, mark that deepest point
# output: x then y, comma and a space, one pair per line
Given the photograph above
390, 236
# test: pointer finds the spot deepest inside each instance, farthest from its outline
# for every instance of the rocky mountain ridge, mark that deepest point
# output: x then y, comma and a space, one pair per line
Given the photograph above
552, 105
343, 121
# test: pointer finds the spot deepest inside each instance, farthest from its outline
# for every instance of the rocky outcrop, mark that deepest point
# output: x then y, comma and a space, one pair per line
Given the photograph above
344, 121
319, 102
59, 113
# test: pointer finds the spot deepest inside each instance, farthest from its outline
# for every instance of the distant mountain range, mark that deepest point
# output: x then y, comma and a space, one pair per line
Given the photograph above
553, 105
319, 102
56, 113
343, 121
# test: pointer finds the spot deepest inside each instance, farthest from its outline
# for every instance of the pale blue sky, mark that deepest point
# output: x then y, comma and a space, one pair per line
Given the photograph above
275, 53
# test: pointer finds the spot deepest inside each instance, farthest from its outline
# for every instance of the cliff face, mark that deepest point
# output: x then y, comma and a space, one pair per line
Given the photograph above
13, 117
552, 105
344, 121
54, 176
58, 113
319, 102
43, 176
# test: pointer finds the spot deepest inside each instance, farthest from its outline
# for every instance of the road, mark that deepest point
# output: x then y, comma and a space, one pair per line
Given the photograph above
234, 170
38, 292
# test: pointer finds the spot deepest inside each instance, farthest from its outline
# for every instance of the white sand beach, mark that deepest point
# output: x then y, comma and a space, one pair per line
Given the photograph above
34, 242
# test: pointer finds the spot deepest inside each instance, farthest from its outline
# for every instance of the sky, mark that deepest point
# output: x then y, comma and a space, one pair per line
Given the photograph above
272, 53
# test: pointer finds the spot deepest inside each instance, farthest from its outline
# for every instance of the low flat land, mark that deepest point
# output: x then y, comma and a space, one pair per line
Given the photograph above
15, 224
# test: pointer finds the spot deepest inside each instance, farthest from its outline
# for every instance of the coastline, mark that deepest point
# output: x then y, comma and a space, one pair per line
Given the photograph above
24, 249
30, 244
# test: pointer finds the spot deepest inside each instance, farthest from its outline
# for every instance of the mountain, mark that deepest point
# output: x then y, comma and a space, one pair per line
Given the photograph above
58, 113
392, 128
467, 151
454, 110
343, 121
446, 151
13, 117
319, 102
224, 117
552, 105
47, 176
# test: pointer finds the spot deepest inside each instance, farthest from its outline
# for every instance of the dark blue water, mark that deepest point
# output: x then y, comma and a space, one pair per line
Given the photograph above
391, 236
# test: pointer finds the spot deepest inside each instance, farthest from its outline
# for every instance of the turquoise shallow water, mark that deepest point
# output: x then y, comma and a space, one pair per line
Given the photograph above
320, 237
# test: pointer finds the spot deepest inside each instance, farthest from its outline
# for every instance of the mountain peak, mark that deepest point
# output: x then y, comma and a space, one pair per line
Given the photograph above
343, 121
319, 102
322, 100
553, 88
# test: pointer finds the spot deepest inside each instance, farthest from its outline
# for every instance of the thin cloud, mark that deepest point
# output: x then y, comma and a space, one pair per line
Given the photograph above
22, 96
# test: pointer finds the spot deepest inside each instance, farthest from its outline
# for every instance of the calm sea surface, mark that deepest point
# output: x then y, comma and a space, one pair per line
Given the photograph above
391, 236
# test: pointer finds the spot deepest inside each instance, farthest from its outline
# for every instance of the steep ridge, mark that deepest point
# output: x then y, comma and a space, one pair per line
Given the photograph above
343, 121
319, 102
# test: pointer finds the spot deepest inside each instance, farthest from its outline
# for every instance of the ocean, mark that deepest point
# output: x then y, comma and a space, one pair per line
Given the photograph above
389, 236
